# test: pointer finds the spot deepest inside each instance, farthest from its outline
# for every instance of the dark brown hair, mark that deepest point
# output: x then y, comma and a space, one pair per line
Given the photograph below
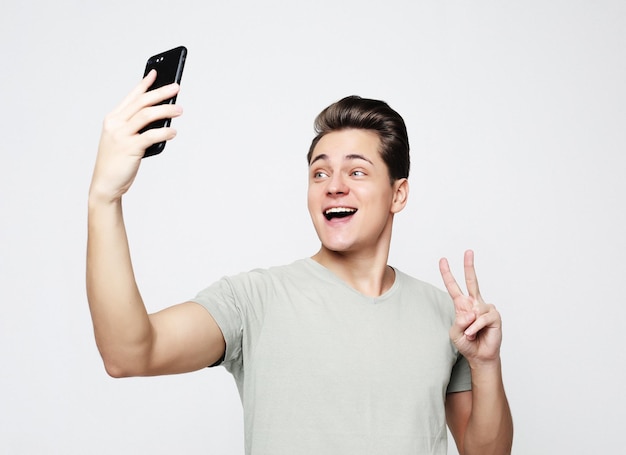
374, 115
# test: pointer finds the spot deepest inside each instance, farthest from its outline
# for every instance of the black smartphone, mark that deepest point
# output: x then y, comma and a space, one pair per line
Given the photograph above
169, 67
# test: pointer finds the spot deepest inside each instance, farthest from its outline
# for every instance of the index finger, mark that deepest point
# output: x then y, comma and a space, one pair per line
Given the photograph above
139, 89
448, 279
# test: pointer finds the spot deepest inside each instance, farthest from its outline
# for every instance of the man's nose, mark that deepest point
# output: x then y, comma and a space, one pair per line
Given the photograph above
337, 185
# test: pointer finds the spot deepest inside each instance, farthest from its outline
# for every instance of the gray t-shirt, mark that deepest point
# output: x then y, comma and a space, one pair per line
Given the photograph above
323, 369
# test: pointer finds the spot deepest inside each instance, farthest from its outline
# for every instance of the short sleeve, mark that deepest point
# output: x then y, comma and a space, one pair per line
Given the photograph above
219, 300
461, 376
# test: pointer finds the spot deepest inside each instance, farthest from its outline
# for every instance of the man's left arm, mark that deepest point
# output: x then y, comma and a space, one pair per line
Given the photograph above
479, 420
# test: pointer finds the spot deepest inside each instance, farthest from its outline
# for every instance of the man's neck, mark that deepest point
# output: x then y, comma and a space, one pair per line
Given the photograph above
368, 274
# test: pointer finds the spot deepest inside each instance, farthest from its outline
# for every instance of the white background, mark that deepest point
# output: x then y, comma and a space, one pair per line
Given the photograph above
516, 113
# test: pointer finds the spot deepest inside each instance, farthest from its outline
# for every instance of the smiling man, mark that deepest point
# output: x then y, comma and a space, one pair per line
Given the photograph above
352, 203
338, 353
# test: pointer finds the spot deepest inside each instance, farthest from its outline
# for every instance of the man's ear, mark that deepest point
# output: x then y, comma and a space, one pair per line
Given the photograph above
400, 195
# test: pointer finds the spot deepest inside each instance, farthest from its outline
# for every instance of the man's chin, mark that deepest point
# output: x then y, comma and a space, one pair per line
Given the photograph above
338, 248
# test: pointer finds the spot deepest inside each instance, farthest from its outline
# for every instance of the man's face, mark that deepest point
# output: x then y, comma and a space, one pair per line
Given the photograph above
350, 198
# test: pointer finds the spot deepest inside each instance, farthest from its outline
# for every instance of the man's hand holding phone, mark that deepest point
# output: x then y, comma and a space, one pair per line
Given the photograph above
139, 126
123, 145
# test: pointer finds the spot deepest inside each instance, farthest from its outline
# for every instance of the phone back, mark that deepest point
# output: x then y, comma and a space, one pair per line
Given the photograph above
169, 66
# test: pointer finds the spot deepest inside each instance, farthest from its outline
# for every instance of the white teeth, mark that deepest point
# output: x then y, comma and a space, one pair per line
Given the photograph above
339, 210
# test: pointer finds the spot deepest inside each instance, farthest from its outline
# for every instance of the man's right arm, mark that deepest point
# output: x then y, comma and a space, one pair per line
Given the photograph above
133, 343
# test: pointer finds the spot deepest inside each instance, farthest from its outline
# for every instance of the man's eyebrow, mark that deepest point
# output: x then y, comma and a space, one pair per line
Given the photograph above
352, 156
356, 156
322, 156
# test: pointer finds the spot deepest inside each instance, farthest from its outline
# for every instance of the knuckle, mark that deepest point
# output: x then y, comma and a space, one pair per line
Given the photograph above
494, 310
109, 123
153, 113
145, 115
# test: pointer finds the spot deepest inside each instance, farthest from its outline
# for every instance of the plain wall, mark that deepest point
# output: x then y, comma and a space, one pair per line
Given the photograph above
516, 115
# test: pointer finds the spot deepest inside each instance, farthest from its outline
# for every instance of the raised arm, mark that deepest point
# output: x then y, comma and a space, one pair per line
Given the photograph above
133, 343
480, 420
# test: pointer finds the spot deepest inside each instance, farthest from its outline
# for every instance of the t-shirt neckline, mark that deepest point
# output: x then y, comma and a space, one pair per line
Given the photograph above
331, 276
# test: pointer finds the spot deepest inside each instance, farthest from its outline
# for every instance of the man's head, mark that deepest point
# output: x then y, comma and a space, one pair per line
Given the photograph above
358, 168
354, 112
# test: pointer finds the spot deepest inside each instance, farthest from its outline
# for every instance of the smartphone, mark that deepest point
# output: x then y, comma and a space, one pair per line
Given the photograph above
169, 67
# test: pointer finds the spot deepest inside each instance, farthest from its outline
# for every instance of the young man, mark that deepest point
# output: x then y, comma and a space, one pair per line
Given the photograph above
335, 354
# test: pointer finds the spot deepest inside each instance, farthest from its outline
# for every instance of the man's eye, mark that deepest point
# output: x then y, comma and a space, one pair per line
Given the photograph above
358, 173
319, 174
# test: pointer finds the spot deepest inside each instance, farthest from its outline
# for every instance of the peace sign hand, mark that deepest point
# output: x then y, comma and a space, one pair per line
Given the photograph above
477, 328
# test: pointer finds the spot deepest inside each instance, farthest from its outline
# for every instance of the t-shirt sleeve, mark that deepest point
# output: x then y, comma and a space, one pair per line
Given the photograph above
461, 376
220, 301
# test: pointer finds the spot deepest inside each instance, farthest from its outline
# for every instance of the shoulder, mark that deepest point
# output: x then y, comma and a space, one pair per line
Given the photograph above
294, 270
420, 287
245, 292
261, 280
425, 293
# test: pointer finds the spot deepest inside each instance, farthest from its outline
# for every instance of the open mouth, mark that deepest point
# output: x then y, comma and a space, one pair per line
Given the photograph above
339, 212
